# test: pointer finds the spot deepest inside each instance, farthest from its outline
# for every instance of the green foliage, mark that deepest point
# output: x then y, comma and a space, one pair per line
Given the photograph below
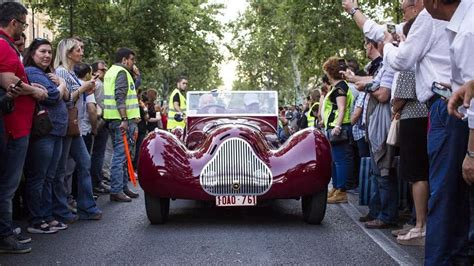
171, 37
281, 45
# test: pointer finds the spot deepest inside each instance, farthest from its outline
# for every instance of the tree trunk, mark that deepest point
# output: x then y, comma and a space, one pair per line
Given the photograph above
296, 77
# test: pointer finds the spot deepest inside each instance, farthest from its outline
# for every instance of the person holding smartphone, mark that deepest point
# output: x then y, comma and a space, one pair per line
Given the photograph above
374, 31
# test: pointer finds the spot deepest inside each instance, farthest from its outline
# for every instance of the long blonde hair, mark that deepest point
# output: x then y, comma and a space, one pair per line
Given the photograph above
65, 46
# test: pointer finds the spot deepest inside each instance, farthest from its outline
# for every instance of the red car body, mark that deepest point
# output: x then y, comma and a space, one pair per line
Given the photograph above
169, 167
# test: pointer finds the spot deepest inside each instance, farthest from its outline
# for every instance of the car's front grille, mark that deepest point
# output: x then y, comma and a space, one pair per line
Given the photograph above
236, 170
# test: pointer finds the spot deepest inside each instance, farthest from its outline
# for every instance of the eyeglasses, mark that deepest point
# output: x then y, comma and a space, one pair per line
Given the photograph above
23, 23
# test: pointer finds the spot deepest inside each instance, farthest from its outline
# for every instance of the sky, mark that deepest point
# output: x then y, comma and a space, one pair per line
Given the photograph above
227, 68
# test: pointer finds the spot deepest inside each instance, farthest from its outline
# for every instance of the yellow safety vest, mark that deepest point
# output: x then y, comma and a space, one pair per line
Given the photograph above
329, 108
309, 115
172, 123
131, 102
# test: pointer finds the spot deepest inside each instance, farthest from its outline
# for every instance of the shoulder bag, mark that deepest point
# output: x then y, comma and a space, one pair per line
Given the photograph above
42, 125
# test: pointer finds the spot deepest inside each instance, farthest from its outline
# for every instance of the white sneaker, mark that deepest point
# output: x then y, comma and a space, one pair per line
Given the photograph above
42, 228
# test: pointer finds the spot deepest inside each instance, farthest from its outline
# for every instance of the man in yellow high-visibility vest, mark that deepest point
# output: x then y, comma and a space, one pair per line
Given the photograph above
121, 109
177, 105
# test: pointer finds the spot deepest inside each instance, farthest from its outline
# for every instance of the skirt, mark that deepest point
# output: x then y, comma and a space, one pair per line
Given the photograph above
414, 164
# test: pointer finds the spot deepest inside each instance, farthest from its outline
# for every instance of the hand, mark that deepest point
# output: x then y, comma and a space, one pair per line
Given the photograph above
401, 37
348, 75
14, 91
349, 4
360, 85
336, 131
136, 71
388, 38
462, 96
40, 93
124, 126
89, 86
53, 78
468, 170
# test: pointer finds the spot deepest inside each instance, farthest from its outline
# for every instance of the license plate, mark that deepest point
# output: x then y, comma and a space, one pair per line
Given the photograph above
223, 201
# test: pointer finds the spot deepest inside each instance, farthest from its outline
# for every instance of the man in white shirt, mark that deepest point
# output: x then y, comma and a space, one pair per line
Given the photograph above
427, 47
374, 31
460, 32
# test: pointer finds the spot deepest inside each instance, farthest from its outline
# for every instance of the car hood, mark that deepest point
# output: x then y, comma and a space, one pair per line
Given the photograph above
201, 129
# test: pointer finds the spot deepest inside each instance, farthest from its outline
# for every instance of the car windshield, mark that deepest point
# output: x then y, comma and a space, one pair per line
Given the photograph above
235, 103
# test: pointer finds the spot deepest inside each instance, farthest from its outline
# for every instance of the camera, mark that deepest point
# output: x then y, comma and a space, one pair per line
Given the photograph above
342, 65
6, 102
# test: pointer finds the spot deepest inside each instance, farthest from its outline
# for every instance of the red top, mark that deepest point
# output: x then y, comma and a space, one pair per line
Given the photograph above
18, 123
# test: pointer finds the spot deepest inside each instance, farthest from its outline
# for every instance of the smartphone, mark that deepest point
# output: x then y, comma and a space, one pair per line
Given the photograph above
391, 28
18, 83
441, 90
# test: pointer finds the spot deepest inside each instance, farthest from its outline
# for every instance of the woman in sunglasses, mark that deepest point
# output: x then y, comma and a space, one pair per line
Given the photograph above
45, 149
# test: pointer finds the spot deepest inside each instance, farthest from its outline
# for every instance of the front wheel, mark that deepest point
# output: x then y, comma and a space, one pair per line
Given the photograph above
314, 207
157, 209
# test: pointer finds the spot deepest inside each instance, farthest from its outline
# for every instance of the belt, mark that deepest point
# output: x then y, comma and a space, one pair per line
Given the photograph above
431, 101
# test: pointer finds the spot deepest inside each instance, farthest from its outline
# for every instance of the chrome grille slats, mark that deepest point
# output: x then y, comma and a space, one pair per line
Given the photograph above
235, 164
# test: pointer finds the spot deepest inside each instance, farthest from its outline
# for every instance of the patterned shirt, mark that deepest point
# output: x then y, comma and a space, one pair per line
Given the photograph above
358, 130
406, 89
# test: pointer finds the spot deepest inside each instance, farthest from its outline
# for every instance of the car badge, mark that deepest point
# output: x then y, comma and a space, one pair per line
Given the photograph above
236, 186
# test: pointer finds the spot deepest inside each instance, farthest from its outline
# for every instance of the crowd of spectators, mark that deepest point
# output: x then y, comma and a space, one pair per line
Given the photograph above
52, 118
399, 107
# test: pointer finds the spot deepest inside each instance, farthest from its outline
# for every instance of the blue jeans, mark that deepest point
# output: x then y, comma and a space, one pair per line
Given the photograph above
383, 203
98, 153
86, 205
363, 148
43, 159
119, 177
12, 160
342, 163
447, 225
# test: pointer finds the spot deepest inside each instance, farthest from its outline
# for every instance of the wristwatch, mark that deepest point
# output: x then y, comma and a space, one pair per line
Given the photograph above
125, 118
353, 11
470, 154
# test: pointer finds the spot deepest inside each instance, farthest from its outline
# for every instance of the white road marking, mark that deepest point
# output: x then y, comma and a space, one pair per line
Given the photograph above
389, 246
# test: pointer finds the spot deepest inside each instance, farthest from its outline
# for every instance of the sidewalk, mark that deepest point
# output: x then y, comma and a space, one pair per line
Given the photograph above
411, 254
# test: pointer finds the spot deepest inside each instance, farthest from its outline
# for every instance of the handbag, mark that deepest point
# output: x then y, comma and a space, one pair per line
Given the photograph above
42, 125
343, 136
73, 122
393, 137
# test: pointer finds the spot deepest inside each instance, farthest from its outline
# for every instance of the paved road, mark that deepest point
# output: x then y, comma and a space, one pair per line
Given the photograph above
199, 234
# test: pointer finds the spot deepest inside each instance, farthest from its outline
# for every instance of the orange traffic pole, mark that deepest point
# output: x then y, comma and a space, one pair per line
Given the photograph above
131, 173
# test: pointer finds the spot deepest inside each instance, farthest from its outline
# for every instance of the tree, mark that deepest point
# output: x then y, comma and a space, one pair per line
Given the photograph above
281, 45
171, 37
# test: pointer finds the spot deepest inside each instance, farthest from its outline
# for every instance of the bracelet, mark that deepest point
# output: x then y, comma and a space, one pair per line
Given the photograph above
470, 154
125, 118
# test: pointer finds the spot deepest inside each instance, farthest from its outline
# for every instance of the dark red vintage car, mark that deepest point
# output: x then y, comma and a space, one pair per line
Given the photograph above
230, 154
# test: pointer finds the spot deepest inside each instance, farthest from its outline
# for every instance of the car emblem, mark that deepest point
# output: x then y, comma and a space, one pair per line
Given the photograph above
236, 186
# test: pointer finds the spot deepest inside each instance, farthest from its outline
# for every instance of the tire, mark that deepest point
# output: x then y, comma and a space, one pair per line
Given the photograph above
314, 207
157, 209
